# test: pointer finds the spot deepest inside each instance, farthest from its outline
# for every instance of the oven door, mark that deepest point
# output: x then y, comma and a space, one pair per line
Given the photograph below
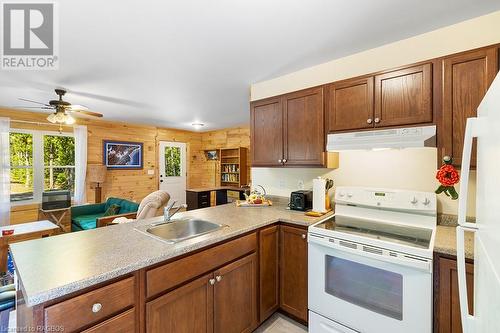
366, 294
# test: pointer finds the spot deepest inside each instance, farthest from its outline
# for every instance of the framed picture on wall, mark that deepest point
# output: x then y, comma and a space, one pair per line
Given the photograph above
122, 154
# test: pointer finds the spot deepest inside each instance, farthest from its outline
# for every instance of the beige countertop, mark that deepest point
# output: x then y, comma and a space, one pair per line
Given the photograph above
52, 267
446, 241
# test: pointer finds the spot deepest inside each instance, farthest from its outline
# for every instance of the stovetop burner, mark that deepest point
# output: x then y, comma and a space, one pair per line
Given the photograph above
400, 234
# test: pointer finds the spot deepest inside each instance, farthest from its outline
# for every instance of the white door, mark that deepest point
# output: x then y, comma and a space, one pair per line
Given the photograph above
485, 318
172, 161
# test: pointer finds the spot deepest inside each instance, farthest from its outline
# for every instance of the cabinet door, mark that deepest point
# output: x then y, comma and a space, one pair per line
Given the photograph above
293, 271
404, 97
448, 312
269, 271
467, 76
304, 128
235, 296
350, 104
187, 309
266, 127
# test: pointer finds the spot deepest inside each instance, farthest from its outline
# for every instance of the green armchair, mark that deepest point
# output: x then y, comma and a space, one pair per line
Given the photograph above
86, 217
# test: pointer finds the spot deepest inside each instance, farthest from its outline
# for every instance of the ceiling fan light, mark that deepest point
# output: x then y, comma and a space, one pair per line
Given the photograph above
69, 120
52, 118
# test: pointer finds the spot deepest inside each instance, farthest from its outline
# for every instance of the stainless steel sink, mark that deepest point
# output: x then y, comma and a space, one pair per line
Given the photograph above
181, 229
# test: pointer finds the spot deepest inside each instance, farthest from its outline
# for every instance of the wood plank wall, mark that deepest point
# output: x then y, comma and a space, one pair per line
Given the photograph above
136, 184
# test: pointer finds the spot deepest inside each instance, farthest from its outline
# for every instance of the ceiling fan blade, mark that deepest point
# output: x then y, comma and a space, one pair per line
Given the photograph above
76, 107
28, 100
86, 113
110, 99
29, 107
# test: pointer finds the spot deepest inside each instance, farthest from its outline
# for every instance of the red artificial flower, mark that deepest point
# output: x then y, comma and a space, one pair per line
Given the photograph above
447, 175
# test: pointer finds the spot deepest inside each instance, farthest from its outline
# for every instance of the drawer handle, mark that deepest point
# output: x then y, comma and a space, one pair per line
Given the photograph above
96, 307
218, 278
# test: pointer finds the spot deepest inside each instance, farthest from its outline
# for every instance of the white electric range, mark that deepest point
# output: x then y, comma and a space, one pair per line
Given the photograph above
370, 265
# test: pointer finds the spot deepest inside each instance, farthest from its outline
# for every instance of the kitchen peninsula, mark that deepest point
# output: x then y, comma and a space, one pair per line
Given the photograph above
93, 284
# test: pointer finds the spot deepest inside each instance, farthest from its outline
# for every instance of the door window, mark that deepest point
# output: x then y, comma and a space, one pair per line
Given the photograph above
372, 288
172, 161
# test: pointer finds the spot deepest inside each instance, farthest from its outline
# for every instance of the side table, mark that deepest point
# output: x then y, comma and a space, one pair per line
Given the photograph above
60, 216
24, 232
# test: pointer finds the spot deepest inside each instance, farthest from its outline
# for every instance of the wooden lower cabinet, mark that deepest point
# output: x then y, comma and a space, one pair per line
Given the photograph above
223, 301
269, 272
293, 271
235, 296
123, 323
186, 309
447, 305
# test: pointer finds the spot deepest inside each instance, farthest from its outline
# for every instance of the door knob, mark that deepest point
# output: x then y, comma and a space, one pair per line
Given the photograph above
218, 278
369, 120
377, 120
284, 160
279, 161
211, 281
303, 236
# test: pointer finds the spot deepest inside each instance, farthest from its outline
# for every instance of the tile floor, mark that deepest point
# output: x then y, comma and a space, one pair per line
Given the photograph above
279, 323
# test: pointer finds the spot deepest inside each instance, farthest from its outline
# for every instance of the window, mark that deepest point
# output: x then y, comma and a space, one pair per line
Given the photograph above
172, 161
40, 161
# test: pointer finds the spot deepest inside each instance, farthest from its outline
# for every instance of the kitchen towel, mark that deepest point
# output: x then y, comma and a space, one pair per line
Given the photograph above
319, 195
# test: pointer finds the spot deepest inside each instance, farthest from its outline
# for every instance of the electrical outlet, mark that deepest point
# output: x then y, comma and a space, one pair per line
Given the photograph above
300, 184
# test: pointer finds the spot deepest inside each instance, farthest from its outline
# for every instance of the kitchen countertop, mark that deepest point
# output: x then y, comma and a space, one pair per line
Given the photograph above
215, 188
52, 267
446, 241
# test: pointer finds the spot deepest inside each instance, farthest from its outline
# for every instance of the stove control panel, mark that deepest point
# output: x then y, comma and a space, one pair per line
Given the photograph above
386, 198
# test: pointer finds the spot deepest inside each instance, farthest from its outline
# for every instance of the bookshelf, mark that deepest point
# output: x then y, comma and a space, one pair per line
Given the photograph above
233, 166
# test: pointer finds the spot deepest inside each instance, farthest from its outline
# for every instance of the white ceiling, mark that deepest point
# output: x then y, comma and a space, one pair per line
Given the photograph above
186, 61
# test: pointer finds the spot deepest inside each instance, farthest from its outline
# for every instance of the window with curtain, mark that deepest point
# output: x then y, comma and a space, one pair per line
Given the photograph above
40, 161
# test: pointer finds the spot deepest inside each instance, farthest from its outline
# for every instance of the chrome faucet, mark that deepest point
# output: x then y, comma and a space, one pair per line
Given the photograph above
166, 212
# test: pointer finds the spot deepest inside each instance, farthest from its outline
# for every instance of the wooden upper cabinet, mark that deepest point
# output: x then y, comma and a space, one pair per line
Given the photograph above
467, 77
350, 104
235, 296
266, 130
293, 271
404, 97
304, 134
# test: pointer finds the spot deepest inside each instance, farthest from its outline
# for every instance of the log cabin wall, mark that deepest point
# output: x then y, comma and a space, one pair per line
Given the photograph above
135, 184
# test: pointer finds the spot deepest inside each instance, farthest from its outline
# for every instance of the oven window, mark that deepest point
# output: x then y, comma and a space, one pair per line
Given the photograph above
366, 286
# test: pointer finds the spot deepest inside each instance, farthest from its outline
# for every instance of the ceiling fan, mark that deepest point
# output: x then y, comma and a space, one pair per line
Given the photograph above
63, 110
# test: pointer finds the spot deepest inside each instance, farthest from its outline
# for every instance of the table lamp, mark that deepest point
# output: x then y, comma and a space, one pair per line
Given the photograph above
96, 173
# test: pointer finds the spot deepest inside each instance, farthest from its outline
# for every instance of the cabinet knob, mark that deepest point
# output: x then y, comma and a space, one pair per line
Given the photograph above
96, 307
377, 120
218, 278
284, 160
279, 161
303, 236
369, 120
211, 281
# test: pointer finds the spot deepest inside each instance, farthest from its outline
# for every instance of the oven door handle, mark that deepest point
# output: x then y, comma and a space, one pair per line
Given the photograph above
421, 264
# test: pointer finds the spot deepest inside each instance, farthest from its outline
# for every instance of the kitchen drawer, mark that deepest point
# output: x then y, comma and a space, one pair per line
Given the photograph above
173, 274
91, 307
123, 323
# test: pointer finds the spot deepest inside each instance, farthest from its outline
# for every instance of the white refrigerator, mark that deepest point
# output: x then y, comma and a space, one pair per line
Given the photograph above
486, 128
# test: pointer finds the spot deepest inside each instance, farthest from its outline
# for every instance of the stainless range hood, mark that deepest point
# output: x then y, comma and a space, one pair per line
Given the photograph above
408, 137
